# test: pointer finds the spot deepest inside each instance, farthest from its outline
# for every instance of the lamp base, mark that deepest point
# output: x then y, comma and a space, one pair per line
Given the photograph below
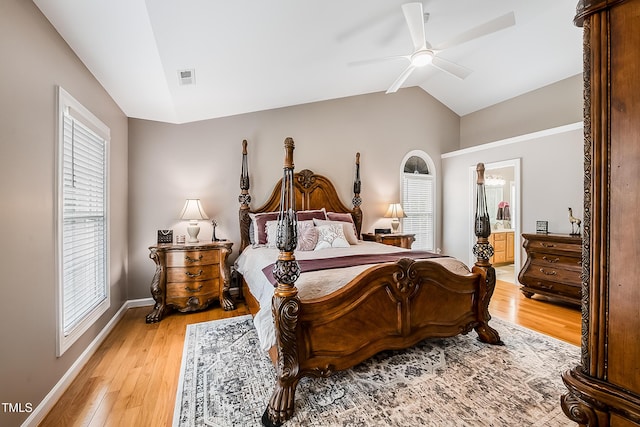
193, 231
395, 223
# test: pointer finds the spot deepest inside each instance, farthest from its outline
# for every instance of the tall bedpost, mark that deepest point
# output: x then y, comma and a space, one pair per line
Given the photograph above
357, 201
285, 302
244, 199
483, 251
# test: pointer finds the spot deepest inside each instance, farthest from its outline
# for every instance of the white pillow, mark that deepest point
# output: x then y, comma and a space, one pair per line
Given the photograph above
331, 236
347, 229
272, 233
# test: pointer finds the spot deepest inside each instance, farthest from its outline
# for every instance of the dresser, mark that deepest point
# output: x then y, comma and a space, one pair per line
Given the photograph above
604, 390
190, 277
553, 266
503, 246
396, 239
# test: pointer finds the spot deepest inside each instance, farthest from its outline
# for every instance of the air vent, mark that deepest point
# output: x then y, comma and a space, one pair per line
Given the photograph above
187, 77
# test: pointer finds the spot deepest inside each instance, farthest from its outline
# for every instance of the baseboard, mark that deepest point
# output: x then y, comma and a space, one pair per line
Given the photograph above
43, 408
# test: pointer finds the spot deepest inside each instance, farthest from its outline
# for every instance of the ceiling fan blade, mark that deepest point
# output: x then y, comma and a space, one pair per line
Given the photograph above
497, 24
452, 68
401, 79
415, 20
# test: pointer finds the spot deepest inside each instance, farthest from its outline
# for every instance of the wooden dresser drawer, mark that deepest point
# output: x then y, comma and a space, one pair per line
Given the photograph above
553, 273
546, 246
190, 258
558, 289
553, 260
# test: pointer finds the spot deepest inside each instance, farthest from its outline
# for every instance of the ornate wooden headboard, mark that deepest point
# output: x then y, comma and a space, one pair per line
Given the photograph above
312, 191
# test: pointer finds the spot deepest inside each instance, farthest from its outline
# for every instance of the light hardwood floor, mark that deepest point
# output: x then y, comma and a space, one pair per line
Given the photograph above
133, 377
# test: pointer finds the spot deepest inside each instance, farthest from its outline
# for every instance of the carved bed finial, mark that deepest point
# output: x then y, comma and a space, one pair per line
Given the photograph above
357, 201
244, 199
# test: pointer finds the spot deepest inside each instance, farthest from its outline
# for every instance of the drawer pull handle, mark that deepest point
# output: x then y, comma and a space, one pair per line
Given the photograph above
188, 289
548, 273
550, 260
192, 275
189, 259
548, 245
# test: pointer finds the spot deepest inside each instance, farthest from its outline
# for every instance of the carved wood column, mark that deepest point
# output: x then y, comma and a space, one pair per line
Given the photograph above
605, 389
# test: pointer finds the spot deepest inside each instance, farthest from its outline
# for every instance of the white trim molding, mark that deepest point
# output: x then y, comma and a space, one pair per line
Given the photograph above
58, 390
515, 139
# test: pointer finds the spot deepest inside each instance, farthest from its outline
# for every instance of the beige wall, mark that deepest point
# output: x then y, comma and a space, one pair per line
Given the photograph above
551, 181
168, 163
34, 61
554, 105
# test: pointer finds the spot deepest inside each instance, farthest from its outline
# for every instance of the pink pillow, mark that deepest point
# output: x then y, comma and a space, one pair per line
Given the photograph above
311, 214
307, 236
259, 221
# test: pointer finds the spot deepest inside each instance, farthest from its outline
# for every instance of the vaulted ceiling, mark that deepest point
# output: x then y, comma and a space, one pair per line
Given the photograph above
251, 55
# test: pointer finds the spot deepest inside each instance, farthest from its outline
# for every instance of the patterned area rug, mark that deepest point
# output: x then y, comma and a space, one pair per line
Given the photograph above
227, 381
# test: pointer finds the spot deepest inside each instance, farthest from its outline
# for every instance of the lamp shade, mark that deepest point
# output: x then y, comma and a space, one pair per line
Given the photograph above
395, 211
193, 210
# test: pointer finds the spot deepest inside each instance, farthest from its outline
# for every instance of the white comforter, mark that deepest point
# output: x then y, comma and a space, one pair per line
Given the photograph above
311, 284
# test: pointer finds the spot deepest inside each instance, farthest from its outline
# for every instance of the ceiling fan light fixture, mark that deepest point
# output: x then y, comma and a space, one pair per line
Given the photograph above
421, 58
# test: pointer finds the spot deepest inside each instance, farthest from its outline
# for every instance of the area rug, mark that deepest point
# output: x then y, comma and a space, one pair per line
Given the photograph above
227, 381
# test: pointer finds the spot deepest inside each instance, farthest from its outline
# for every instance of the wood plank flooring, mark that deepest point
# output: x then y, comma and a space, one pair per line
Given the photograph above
132, 378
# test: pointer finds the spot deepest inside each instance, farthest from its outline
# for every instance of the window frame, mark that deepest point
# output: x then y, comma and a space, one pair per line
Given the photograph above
432, 176
70, 107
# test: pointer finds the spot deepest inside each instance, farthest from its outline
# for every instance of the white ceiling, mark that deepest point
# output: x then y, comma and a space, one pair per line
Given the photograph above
252, 55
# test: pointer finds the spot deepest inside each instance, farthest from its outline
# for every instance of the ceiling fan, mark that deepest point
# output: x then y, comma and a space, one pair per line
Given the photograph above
425, 54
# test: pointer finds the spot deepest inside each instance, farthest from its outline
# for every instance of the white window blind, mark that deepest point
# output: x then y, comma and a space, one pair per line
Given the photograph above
83, 224
417, 201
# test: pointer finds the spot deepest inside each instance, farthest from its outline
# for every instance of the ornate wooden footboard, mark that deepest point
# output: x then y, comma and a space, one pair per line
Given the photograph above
389, 306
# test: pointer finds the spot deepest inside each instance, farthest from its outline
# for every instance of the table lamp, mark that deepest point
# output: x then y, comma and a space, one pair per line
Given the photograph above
193, 212
394, 212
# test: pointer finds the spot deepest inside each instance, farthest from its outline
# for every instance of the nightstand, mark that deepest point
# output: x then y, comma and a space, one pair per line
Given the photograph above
396, 239
190, 277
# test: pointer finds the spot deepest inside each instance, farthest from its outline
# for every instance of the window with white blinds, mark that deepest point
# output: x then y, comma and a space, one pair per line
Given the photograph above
417, 201
83, 222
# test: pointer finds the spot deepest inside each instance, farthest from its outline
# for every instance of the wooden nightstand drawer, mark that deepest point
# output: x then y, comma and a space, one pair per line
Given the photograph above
185, 274
189, 258
188, 289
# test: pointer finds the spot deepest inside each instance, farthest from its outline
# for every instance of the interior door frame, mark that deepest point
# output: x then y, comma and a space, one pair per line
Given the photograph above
516, 210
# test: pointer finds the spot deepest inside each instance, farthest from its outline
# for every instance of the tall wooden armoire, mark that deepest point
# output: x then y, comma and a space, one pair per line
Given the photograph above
605, 389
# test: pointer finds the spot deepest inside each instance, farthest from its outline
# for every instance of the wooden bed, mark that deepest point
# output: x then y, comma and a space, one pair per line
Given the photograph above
393, 305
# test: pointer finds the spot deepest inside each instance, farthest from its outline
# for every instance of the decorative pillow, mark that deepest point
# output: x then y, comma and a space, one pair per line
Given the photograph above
331, 236
272, 234
311, 214
259, 221
347, 229
307, 236
343, 217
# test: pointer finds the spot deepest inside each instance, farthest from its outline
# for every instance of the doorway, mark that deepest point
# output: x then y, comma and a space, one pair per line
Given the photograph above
503, 191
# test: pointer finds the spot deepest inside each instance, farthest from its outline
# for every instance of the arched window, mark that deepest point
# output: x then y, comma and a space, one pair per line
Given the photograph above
418, 186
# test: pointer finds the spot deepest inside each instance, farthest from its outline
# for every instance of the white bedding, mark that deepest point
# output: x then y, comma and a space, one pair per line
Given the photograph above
311, 284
